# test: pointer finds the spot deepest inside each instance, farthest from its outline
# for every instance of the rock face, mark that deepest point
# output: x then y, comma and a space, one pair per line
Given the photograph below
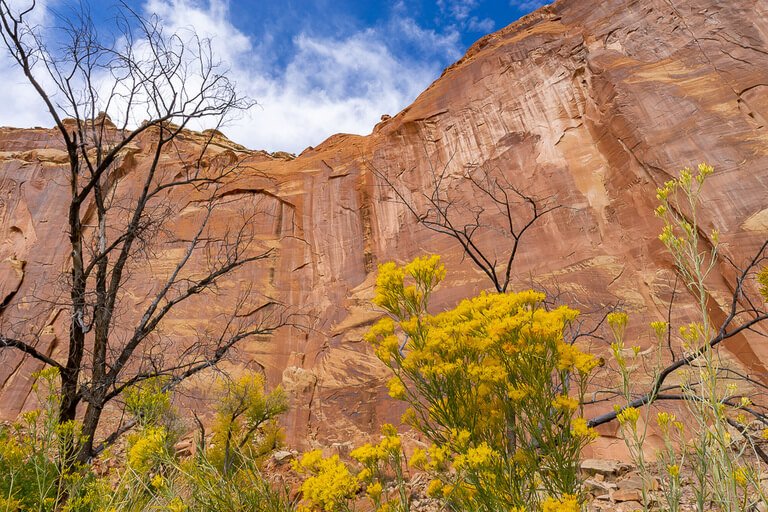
590, 104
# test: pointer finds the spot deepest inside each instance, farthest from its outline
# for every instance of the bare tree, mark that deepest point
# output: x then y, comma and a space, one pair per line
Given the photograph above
481, 209
746, 313
487, 215
152, 85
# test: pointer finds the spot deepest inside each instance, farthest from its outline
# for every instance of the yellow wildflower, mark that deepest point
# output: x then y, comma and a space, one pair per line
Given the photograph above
374, 490
629, 415
567, 503
330, 484
565, 403
740, 476
580, 428
663, 419
158, 482
659, 328
617, 320
396, 388
176, 505
146, 447
435, 489
418, 458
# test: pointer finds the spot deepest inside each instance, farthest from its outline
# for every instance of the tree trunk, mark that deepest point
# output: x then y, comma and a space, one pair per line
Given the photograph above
90, 423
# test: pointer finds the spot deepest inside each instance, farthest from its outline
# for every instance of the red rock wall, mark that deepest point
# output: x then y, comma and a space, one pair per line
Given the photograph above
592, 104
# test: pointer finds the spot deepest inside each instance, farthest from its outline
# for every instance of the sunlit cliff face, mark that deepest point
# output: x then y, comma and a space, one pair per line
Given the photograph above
589, 106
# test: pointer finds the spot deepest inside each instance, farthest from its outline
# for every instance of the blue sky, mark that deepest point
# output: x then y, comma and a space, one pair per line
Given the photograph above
314, 67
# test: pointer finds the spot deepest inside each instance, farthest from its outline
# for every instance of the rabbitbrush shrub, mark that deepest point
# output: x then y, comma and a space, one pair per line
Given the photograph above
492, 384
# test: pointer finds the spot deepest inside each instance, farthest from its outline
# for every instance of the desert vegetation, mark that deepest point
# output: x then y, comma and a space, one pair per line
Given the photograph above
502, 391
493, 386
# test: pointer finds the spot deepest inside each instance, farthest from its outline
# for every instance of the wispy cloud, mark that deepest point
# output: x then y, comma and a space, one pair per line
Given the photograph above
327, 84
459, 12
23, 106
485, 25
529, 5
460, 9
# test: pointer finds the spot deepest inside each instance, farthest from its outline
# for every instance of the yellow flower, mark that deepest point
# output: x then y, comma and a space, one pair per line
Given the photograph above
762, 280
663, 419
568, 503
565, 403
418, 458
374, 490
476, 458
158, 482
365, 475
617, 320
740, 476
704, 171
580, 428
389, 287
585, 363
438, 455
396, 388
390, 445
673, 470
426, 270
330, 483
517, 393
176, 505
629, 415
146, 447
410, 417
366, 454
435, 489
659, 328
308, 462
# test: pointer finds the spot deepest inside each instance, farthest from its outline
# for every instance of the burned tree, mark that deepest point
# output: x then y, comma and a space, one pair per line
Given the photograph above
481, 209
143, 87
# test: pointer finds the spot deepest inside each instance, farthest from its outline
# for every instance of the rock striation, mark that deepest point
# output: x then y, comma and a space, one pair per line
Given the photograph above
591, 105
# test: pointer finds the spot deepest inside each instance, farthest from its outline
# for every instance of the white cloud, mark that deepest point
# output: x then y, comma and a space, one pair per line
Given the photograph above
459, 12
329, 85
447, 44
529, 5
486, 25
23, 107
458, 9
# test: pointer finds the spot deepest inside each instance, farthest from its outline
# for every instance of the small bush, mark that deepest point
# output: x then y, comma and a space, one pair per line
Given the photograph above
492, 384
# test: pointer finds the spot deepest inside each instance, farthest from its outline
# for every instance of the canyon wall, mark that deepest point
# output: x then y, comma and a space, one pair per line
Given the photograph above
589, 106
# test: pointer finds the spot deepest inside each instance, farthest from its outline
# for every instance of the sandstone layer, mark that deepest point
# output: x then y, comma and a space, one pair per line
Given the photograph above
591, 105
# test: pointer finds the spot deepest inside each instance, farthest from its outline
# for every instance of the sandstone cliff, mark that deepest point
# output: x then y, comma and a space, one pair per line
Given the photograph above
590, 104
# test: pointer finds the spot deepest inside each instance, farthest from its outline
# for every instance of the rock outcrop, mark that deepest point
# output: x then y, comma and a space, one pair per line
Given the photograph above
592, 105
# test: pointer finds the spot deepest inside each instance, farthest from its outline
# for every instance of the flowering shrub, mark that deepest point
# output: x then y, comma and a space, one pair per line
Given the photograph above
723, 476
379, 462
246, 422
147, 449
36, 465
329, 485
152, 477
491, 383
